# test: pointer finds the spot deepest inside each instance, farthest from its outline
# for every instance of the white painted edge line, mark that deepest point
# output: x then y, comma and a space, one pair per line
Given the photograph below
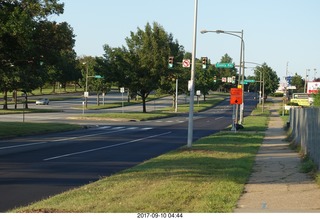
105, 147
59, 140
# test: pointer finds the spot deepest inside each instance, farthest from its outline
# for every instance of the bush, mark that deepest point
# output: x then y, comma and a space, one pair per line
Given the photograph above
277, 94
292, 104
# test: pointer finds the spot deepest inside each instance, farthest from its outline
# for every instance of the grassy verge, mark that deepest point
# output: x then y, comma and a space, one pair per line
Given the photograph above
14, 129
21, 111
165, 112
209, 177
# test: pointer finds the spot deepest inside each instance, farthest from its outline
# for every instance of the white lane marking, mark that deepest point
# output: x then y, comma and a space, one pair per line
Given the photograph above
105, 147
219, 118
104, 127
59, 140
22, 145
116, 129
132, 128
147, 128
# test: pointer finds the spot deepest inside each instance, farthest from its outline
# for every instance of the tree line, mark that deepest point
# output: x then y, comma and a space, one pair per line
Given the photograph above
35, 51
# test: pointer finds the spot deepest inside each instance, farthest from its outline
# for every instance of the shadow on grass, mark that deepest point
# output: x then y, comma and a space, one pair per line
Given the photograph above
221, 157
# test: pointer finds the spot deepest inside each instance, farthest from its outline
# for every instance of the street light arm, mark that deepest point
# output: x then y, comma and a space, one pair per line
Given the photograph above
232, 33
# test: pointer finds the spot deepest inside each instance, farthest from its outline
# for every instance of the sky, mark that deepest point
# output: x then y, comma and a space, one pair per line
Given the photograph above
284, 34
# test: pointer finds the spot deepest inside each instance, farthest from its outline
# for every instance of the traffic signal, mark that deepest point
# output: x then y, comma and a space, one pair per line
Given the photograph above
204, 62
170, 65
233, 79
215, 79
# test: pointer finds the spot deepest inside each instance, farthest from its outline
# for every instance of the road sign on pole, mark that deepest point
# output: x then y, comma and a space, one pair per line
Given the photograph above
186, 63
236, 96
224, 65
249, 81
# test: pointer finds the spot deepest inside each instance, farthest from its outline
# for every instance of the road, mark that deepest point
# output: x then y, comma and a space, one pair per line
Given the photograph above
33, 168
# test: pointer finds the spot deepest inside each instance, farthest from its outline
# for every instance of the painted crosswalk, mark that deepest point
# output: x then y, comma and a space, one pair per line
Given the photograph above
129, 128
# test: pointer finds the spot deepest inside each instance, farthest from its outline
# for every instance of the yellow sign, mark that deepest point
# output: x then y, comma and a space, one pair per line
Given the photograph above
301, 102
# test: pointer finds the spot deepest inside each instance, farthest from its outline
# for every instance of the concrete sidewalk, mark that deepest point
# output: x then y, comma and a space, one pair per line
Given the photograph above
276, 184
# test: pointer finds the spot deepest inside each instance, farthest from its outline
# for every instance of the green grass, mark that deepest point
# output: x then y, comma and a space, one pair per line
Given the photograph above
21, 111
209, 177
165, 112
14, 129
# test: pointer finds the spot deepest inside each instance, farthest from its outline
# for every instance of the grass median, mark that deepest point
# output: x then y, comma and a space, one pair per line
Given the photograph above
212, 101
209, 177
15, 129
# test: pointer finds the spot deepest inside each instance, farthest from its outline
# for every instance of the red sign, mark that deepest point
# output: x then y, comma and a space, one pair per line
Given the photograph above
186, 63
236, 96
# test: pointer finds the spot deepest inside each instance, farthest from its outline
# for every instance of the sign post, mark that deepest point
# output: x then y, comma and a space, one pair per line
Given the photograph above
122, 91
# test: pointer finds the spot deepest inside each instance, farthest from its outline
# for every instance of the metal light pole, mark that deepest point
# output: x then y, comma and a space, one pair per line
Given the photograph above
190, 124
241, 68
261, 93
306, 80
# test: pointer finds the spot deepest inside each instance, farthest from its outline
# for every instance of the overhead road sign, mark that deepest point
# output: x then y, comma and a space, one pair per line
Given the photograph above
224, 65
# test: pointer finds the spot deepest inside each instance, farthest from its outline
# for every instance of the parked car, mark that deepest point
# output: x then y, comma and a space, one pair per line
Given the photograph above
43, 101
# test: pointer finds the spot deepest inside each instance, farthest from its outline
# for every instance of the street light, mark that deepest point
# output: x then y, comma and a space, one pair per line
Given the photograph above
242, 63
306, 80
190, 123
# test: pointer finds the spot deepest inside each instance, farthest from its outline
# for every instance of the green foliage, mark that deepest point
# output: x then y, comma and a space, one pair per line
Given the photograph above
298, 82
225, 72
34, 50
308, 165
143, 64
269, 76
292, 104
14, 129
316, 99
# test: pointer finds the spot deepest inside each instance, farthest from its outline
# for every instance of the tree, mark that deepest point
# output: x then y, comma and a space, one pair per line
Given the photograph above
54, 43
169, 79
297, 81
149, 50
91, 68
18, 23
226, 72
269, 76
205, 79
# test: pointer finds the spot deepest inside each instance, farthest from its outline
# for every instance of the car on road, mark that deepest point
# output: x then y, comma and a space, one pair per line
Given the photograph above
43, 101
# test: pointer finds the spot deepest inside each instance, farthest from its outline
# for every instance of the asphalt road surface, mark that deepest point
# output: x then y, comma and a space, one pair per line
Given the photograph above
33, 168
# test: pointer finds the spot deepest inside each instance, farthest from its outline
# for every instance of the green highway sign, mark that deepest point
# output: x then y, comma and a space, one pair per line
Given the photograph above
224, 65
98, 76
249, 81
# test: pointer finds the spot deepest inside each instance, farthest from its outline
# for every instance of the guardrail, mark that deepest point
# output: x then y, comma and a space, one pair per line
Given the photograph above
305, 131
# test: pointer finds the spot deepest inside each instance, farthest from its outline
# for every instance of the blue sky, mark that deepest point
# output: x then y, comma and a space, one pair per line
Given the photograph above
275, 31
